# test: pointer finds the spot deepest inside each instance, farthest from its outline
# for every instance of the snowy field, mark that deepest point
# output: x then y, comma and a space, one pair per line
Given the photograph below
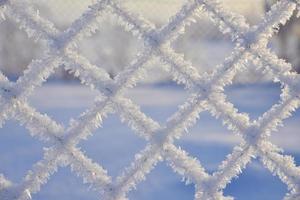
114, 145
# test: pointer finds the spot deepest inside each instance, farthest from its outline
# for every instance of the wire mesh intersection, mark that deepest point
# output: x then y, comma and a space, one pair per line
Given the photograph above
206, 93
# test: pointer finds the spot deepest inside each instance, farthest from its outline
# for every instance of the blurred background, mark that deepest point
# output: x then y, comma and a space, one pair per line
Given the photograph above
113, 48
114, 145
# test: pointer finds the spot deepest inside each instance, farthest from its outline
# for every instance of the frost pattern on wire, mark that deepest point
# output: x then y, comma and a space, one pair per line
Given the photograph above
206, 93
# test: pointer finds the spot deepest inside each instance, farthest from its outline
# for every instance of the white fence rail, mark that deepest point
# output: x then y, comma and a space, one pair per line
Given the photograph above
206, 93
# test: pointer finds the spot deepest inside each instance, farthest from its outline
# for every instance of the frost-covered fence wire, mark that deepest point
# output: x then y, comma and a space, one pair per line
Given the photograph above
206, 93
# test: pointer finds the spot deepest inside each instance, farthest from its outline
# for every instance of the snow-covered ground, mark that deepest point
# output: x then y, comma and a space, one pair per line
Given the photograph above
114, 145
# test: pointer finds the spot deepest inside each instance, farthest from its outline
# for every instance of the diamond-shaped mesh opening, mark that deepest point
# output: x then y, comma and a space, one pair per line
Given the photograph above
18, 151
14, 49
111, 47
256, 182
251, 10
204, 45
65, 185
235, 22
118, 145
285, 43
61, 13
62, 100
209, 141
156, 11
253, 98
288, 137
158, 97
173, 186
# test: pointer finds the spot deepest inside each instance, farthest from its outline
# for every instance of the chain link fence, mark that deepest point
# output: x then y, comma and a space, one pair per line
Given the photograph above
113, 47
